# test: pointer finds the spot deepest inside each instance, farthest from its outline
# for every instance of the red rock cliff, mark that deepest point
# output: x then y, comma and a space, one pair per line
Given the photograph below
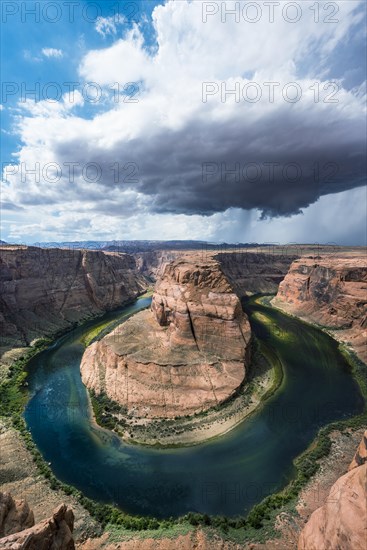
45, 290
331, 292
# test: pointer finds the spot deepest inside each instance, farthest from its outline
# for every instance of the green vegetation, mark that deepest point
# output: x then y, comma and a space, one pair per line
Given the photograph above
98, 332
105, 411
13, 394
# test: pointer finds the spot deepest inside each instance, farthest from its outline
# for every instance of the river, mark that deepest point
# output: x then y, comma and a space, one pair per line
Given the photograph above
224, 476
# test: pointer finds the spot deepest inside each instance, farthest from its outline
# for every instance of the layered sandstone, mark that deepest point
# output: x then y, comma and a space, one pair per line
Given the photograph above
253, 272
342, 521
54, 533
43, 291
184, 356
332, 292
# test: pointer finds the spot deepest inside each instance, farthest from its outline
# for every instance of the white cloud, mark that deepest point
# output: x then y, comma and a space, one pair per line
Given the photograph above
108, 25
52, 52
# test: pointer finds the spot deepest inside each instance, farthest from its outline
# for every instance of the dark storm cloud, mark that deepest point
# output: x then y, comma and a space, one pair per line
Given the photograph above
281, 164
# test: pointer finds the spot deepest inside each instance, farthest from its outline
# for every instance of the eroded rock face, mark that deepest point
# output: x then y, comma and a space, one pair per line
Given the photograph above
197, 304
342, 521
184, 356
361, 455
331, 292
153, 263
15, 515
54, 533
45, 290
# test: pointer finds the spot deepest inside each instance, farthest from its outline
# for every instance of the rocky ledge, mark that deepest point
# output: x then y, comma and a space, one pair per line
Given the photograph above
185, 355
332, 292
18, 531
341, 522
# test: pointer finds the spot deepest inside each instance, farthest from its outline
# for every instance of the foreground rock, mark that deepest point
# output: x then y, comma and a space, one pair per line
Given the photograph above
361, 455
54, 533
15, 515
20, 476
184, 356
342, 521
43, 291
330, 291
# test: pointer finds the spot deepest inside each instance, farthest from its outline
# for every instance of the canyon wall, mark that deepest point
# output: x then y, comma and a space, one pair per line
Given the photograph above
332, 292
342, 521
251, 272
45, 290
185, 355
152, 264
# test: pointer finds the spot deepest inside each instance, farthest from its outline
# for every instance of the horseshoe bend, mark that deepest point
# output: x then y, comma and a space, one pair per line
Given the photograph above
184, 355
185, 366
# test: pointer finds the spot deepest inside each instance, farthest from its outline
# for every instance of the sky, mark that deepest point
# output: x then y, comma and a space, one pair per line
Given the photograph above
219, 121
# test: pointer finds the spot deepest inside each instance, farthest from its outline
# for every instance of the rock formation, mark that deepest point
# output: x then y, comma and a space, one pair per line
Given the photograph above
341, 523
45, 290
197, 304
330, 291
15, 515
184, 356
361, 455
18, 532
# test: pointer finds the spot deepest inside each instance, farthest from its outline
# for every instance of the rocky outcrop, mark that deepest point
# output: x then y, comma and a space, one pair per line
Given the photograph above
43, 291
197, 304
251, 272
15, 515
341, 523
54, 533
332, 292
361, 455
186, 355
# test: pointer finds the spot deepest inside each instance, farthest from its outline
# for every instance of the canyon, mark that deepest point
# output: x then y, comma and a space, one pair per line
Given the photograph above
190, 352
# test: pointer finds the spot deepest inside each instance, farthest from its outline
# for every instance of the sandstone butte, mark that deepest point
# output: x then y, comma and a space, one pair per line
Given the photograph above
332, 292
184, 355
341, 523
19, 532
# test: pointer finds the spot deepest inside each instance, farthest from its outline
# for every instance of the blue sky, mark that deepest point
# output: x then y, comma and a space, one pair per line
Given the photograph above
182, 158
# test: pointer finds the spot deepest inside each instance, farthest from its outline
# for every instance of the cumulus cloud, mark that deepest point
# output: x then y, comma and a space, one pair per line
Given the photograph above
52, 52
215, 127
